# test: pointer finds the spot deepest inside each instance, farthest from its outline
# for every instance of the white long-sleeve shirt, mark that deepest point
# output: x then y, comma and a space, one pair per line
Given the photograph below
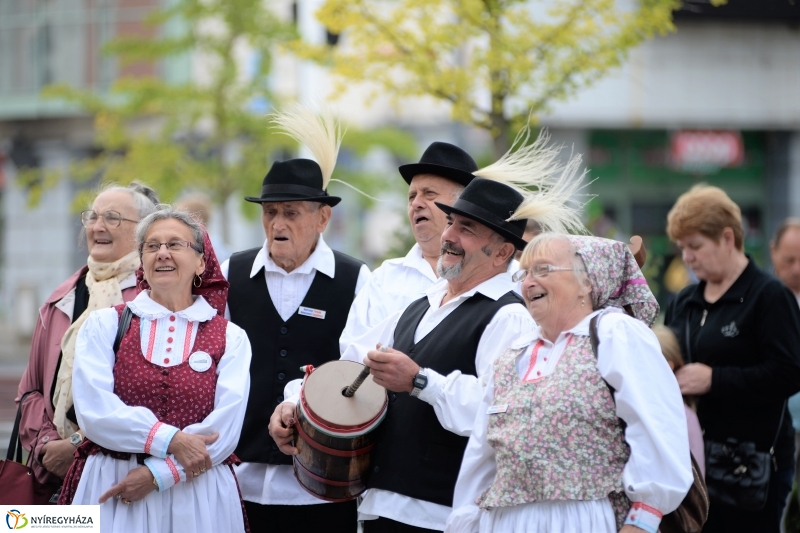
392, 286
658, 473
109, 422
455, 397
275, 484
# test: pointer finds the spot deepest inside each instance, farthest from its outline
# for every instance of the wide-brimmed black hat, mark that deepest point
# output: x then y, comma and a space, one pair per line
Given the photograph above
445, 160
294, 180
491, 203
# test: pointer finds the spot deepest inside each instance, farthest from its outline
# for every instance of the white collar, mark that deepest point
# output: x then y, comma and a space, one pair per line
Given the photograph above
581, 329
414, 259
321, 259
494, 288
145, 307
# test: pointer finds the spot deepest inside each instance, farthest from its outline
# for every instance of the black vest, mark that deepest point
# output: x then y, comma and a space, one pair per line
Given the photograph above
415, 455
281, 348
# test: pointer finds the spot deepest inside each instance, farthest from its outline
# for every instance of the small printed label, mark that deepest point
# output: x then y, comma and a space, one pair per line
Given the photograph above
314, 313
200, 361
493, 410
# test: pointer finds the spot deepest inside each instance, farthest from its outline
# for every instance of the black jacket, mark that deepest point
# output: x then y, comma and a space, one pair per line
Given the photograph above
750, 337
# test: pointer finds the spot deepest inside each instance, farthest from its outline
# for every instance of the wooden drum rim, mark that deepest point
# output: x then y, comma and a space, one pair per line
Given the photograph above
336, 430
331, 451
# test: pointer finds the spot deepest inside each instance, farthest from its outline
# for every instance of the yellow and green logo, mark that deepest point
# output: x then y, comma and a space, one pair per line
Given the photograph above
16, 519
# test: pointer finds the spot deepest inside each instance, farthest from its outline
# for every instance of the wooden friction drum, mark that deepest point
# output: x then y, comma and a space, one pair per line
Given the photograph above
335, 433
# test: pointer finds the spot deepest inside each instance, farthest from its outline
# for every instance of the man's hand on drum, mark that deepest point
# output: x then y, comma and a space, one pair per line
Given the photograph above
191, 452
391, 369
136, 485
281, 428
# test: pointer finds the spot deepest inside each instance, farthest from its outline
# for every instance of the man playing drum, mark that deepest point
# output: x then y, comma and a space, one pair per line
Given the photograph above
291, 296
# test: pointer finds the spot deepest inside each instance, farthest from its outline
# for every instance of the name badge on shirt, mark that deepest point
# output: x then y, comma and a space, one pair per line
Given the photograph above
314, 313
493, 410
200, 361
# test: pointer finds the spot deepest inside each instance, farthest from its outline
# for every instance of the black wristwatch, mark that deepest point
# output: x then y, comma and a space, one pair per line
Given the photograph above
420, 382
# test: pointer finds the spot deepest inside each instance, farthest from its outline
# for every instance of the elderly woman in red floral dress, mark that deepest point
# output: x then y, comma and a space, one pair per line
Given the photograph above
163, 413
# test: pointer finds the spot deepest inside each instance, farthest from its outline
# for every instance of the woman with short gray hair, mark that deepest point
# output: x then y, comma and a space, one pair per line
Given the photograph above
161, 386
48, 426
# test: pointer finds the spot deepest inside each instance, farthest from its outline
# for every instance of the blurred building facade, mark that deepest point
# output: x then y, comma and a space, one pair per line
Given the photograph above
714, 102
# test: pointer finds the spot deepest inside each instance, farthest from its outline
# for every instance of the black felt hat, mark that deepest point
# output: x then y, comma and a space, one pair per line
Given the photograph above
491, 203
292, 181
445, 160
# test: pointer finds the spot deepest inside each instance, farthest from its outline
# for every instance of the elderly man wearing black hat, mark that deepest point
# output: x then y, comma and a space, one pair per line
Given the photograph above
291, 296
441, 175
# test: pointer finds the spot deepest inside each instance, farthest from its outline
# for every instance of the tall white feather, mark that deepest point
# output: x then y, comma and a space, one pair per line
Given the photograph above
319, 132
550, 187
529, 166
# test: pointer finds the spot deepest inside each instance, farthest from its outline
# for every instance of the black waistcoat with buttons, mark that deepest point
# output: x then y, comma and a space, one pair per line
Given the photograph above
415, 455
281, 348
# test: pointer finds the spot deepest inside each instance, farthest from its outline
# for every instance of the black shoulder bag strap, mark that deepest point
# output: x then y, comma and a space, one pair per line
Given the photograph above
124, 324
595, 342
14, 452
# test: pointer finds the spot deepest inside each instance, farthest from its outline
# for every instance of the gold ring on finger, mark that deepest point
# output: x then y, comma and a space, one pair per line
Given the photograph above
126, 502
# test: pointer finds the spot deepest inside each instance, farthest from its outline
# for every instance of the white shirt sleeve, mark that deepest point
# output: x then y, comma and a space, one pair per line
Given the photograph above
382, 334
658, 473
104, 418
478, 468
365, 312
455, 398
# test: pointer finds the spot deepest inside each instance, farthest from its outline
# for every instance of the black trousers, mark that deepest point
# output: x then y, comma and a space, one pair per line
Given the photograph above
726, 519
325, 517
384, 525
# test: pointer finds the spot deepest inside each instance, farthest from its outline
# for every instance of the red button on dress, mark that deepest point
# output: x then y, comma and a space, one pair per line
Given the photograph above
538, 373
172, 318
166, 359
169, 348
172, 328
169, 339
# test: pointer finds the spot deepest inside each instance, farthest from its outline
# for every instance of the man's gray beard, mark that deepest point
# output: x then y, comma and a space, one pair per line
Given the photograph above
449, 272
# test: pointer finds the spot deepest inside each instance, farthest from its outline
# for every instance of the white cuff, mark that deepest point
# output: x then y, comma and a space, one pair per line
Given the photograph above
465, 519
158, 439
167, 471
644, 517
434, 389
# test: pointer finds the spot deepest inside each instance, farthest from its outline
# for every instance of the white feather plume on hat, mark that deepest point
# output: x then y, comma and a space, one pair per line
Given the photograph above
319, 132
553, 203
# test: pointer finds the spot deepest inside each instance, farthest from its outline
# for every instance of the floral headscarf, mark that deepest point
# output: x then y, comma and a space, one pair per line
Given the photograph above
213, 286
615, 277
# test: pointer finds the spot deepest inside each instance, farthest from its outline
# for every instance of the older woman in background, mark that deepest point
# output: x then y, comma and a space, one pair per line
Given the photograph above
739, 330
48, 427
163, 414
569, 439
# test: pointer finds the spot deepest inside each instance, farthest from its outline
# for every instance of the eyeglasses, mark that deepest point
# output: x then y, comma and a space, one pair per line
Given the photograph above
152, 247
112, 219
540, 271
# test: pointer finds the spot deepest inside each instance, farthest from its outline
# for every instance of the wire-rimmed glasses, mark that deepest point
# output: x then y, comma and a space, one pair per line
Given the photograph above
111, 219
152, 247
539, 271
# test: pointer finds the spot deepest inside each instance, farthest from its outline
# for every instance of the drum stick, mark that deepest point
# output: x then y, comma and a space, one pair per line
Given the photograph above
353, 387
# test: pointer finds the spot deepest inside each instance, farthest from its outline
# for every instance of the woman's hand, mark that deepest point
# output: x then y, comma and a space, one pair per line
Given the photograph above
136, 485
191, 452
694, 379
58, 456
281, 428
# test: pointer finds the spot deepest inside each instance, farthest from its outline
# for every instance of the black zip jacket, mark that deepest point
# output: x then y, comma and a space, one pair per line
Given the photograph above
750, 337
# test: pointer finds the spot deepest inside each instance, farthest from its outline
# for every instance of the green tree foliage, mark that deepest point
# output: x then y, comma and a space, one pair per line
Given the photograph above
494, 61
205, 136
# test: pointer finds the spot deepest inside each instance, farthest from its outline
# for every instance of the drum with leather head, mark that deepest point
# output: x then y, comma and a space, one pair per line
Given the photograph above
335, 432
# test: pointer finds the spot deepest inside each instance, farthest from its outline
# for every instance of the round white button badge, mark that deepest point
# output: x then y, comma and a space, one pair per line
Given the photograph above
200, 361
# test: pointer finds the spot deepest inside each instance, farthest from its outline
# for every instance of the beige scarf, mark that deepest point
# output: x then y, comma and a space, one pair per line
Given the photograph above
102, 280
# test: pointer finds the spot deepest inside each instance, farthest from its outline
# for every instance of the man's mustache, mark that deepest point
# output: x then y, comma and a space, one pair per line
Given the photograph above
452, 248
